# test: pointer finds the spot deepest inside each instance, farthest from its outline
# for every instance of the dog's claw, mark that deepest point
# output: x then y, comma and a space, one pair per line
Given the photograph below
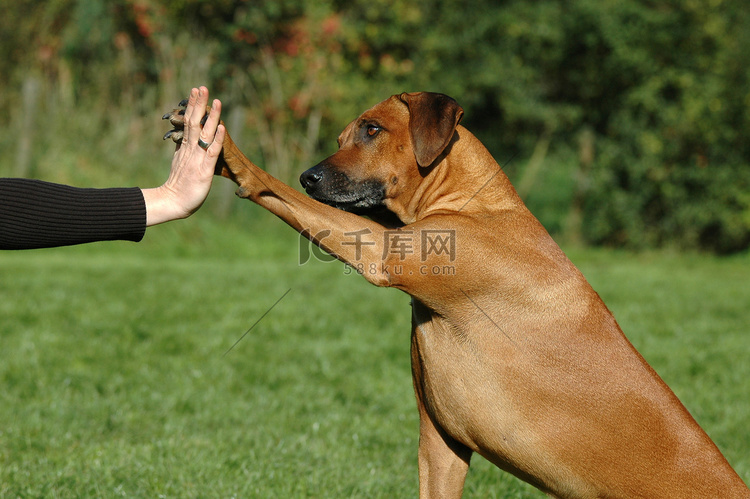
177, 118
175, 135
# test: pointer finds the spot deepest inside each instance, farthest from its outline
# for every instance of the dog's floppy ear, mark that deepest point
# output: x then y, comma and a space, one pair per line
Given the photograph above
432, 120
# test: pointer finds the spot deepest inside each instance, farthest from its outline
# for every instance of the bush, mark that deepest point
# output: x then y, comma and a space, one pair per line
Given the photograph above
661, 88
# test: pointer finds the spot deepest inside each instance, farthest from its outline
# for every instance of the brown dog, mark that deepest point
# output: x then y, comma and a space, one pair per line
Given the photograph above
514, 356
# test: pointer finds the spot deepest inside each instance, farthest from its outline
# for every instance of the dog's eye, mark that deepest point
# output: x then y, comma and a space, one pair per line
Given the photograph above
372, 130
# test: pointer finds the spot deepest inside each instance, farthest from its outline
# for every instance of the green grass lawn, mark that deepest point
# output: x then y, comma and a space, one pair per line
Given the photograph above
114, 379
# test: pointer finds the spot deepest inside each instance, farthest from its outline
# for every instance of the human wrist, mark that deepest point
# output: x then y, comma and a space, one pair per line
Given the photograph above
160, 206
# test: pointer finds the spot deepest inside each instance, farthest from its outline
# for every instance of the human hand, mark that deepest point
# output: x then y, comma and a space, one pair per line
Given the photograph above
192, 166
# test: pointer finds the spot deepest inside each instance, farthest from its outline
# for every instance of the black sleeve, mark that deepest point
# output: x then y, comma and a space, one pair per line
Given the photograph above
36, 214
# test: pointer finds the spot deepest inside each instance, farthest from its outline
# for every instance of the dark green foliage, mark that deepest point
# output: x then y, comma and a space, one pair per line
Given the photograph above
661, 89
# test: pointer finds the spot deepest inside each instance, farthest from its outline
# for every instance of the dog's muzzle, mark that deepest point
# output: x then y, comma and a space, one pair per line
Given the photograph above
332, 187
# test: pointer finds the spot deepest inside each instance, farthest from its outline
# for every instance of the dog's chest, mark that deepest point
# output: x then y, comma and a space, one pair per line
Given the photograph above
450, 368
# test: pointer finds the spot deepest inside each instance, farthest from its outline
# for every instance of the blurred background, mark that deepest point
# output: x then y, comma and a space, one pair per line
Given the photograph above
623, 123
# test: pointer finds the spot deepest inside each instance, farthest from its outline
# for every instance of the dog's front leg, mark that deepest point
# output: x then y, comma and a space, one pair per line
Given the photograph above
352, 239
443, 461
356, 241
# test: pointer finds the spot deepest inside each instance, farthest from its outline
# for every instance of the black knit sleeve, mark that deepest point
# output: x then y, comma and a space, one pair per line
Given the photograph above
36, 214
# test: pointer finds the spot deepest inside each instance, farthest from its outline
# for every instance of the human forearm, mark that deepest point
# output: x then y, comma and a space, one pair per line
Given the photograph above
36, 214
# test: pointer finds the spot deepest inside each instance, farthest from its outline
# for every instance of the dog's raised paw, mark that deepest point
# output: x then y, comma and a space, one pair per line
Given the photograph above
176, 118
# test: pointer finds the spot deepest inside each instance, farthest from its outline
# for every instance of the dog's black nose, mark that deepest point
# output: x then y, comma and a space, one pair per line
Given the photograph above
310, 177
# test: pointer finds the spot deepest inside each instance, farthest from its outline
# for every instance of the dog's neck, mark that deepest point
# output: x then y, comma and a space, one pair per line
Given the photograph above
485, 188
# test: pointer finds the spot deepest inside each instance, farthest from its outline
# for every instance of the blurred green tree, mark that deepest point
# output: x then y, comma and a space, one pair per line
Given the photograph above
628, 119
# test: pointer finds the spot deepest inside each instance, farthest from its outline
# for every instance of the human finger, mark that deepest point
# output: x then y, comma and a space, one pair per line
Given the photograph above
217, 143
207, 133
194, 113
183, 131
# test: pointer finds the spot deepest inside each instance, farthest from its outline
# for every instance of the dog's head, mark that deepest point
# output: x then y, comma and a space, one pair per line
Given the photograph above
385, 153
